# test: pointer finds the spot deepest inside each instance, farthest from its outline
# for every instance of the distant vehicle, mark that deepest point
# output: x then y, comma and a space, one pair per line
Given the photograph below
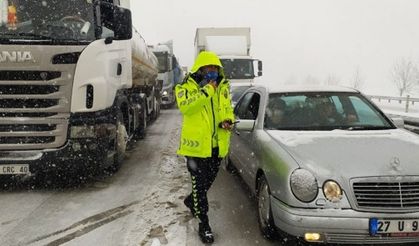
232, 45
333, 169
170, 72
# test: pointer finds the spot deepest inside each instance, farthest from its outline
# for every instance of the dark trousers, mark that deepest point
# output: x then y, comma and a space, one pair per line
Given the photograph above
203, 172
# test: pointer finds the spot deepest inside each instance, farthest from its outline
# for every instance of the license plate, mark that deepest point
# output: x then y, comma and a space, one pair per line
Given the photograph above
394, 227
14, 169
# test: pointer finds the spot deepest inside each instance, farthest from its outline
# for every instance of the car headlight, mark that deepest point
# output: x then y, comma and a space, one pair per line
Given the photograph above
332, 191
165, 93
304, 185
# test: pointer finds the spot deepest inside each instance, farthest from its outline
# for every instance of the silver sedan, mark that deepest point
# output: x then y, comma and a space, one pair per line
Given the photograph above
326, 165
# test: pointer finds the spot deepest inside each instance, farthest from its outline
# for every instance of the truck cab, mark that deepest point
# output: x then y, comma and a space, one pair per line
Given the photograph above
232, 45
74, 78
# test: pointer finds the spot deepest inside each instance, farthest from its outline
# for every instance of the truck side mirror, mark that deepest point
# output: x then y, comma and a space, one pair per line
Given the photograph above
260, 68
117, 19
123, 23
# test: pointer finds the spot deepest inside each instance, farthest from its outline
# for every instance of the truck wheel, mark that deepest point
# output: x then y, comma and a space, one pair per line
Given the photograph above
140, 131
156, 109
266, 223
121, 140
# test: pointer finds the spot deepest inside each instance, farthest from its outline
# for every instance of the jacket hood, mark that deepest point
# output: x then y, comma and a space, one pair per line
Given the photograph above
206, 58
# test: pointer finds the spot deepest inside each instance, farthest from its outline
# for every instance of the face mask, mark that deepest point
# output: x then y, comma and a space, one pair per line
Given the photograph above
212, 75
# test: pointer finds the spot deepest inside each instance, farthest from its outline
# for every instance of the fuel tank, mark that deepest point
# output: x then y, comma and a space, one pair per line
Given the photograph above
144, 62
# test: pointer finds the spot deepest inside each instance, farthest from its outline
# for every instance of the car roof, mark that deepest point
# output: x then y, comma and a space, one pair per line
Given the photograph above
305, 88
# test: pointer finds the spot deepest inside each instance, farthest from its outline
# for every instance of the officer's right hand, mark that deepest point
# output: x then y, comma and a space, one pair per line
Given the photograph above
213, 83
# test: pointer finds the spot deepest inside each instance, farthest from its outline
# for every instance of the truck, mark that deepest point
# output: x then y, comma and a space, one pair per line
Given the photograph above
77, 84
170, 72
232, 45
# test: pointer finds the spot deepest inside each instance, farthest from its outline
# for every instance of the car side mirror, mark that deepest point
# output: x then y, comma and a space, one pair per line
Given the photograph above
398, 122
245, 125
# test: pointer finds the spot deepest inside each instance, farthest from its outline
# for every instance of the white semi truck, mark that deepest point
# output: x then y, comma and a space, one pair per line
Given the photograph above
170, 72
232, 45
77, 83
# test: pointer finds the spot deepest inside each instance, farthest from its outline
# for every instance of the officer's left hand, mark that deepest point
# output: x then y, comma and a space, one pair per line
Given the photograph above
227, 124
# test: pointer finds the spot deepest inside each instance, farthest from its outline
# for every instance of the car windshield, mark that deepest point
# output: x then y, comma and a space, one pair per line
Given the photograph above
237, 91
323, 111
29, 20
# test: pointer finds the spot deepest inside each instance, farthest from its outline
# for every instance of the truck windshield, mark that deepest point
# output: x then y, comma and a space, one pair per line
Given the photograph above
162, 58
47, 20
238, 68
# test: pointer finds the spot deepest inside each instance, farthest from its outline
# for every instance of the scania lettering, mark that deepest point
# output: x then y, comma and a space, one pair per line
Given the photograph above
77, 83
15, 56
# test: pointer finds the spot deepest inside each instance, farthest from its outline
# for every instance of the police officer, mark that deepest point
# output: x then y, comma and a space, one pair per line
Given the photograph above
205, 103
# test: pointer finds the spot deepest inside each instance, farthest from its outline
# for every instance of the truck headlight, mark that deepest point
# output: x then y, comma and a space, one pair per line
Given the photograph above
332, 191
304, 185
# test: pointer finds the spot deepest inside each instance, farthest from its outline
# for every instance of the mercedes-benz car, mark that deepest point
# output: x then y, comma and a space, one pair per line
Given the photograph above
327, 165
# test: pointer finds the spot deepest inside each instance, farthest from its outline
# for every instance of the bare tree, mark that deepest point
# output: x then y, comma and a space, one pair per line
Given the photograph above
311, 80
405, 75
358, 79
332, 80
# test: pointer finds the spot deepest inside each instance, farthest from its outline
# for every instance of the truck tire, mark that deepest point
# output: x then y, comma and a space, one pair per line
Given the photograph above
156, 109
140, 131
121, 141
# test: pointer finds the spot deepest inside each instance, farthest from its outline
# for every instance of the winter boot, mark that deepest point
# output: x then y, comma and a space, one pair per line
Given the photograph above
205, 233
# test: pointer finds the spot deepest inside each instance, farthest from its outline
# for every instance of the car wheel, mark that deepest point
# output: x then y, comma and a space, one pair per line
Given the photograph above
228, 165
266, 222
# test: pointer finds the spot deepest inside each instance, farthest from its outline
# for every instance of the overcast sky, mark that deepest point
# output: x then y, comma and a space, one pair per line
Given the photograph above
297, 39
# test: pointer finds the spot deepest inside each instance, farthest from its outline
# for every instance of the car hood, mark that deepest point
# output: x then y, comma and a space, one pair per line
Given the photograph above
333, 154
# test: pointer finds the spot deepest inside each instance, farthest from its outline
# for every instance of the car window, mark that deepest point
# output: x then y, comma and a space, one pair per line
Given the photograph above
366, 115
324, 111
237, 91
248, 107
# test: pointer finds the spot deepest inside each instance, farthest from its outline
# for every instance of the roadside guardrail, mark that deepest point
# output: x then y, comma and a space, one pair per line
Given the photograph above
407, 100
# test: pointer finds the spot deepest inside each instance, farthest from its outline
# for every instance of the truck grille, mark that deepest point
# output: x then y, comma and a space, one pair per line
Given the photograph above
387, 195
27, 89
28, 75
34, 109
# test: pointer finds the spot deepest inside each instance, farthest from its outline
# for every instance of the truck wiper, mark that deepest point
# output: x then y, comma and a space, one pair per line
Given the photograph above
40, 36
20, 35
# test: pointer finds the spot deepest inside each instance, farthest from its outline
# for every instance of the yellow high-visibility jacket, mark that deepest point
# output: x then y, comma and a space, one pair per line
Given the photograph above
203, 109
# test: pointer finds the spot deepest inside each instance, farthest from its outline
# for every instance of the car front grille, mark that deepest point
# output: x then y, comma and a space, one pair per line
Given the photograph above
34, 109
363, 239
387, 195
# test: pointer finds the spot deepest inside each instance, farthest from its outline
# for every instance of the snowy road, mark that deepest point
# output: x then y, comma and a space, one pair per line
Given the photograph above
139, 205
